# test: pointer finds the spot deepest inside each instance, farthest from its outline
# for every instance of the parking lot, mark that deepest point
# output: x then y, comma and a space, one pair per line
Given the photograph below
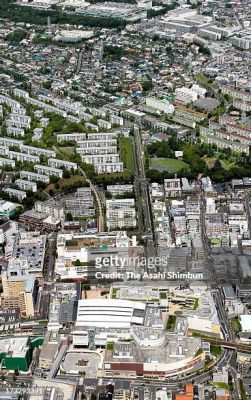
75, 362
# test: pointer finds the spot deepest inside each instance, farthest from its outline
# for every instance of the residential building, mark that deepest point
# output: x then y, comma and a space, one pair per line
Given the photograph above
50, 171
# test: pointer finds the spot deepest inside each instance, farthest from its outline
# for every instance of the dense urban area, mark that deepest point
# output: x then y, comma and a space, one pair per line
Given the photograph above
125, 200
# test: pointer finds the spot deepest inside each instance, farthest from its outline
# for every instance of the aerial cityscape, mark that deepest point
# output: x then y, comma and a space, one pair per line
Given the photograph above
125, 200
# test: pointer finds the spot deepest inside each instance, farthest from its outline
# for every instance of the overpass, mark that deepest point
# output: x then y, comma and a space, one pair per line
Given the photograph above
244, 347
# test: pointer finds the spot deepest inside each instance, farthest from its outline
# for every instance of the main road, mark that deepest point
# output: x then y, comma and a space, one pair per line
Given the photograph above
142, 183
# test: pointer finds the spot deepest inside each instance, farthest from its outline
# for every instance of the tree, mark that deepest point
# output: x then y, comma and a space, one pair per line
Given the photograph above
147, 85
69, 217
54, 179
66, 174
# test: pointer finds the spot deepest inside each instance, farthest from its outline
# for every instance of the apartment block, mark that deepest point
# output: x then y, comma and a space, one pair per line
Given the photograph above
50, 208
172, 187
7, 161
7, 142
54, 162
121, 213
11, 130
109, 167
102, 136
19, 194
89, 143
37, 150
33, 176
116, 120
119, 189
97, 150
92, 127
26, 185
23, 157
100, 159
42, 169
68, 137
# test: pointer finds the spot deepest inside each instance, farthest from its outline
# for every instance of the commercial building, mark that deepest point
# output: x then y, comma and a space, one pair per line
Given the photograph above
7, 208
110, 313
30, 246
16, 353
123, 11
19, 288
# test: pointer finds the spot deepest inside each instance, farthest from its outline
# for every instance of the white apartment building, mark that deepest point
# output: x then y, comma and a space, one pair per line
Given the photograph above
54, 162
97, 150
119, 189
42, 169
68, 137
49, 208
89, 143
37, 150
23, 157
92, 127
160, 105
100, 159
172, 187
85, 116
120, 213
109, 168
102, 135
7, 161
21, 121
104, 124
185, 95
210, 205
33, 176
201, 92
11, 130
116, 120
10, 102
21, 93
4, 151
98, 112
4, 141
19, 194
26, 185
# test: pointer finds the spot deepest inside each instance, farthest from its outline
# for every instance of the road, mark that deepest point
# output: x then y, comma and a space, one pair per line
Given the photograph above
220, 307
101, 219
209, 262
98, 200
79, 62
144, 191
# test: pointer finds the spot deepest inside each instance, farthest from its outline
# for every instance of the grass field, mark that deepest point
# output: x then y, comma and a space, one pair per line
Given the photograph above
168, 164
206, 81
225, 164
215, 350
171, 322
126, 153
235, 323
